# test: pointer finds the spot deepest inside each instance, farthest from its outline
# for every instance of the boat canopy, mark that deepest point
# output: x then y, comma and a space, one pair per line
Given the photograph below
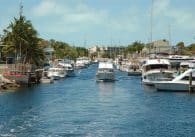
157, 62
105, 65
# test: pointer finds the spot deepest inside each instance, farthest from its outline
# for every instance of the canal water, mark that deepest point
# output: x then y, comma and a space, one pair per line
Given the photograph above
79, 106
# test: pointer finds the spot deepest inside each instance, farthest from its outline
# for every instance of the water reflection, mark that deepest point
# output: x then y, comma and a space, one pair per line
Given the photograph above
105, 87
149, 88
81, 107
106, 90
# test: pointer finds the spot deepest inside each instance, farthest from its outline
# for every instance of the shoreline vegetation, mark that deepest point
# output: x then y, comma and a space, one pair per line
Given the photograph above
22, 44
22, 47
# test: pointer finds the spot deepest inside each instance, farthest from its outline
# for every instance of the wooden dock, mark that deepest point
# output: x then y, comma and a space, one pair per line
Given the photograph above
21, 73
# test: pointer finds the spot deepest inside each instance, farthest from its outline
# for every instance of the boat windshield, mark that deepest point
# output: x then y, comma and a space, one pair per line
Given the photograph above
186, 78
133, 67
161, 66
107, 70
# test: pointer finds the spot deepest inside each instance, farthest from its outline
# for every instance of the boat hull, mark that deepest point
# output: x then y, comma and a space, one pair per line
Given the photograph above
70, 73
104, 77
46, 80
171, 86
56, 73
152, 77
134, 73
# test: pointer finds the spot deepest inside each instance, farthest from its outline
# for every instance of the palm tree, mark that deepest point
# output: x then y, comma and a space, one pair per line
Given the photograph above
21, 39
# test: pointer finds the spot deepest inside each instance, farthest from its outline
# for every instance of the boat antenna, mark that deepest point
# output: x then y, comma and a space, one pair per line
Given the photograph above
151, 27
21, 9
170, 35
151, 22
85, 42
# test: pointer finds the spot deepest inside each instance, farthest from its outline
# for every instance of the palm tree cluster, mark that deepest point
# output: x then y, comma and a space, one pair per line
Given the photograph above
21, 41
185, 50
135, 47
62, 49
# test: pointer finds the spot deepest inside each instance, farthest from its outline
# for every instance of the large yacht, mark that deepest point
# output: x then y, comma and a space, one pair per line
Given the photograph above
156, 70
180, 83
105, 71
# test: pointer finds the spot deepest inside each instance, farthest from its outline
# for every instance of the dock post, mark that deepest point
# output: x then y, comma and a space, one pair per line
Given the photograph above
29, 79
190, 83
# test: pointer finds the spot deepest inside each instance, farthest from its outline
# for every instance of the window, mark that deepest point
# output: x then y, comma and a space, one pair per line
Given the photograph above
187, 78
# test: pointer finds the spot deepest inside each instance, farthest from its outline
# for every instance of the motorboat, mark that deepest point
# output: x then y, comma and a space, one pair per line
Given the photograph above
86, 60
105, 71
68, 68
176, 60
124, 65
179, 83
80, 63
45, 78
134, 70
187, 64
56, 72
154, 70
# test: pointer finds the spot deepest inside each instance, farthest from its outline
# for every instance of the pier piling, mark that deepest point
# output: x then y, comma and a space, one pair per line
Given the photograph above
190, 83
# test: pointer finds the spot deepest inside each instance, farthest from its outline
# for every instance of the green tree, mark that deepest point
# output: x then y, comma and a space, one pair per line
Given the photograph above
64, 50
82, 51
105, 55
191, 49
180, 47
134, 47
22, 41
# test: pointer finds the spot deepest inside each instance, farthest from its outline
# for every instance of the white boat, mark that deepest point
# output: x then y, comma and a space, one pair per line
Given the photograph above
179, 58
180, 83
45, 78
124, 65
80, 63
105, 71
175, 60
56, 73
156, 70
68, 68
87, 61
187, 64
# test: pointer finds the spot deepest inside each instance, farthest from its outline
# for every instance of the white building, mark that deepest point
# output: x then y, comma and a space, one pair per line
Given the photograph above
48, 53
93, 49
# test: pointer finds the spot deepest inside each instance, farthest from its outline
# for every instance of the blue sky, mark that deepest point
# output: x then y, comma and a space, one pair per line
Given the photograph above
105, 22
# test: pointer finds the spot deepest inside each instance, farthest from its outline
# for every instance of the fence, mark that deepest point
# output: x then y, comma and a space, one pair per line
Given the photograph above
15, 68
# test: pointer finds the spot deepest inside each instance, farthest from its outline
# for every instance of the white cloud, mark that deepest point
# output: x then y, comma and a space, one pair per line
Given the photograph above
160, 7
183, 19
166, 13
79, 16
48, 8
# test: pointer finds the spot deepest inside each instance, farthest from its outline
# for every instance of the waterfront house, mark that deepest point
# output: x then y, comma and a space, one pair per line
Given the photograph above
158, 47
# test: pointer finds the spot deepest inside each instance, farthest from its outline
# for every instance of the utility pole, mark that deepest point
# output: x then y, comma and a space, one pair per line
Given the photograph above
20, 14
170, 35
21, 9
151, 22
151, 27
